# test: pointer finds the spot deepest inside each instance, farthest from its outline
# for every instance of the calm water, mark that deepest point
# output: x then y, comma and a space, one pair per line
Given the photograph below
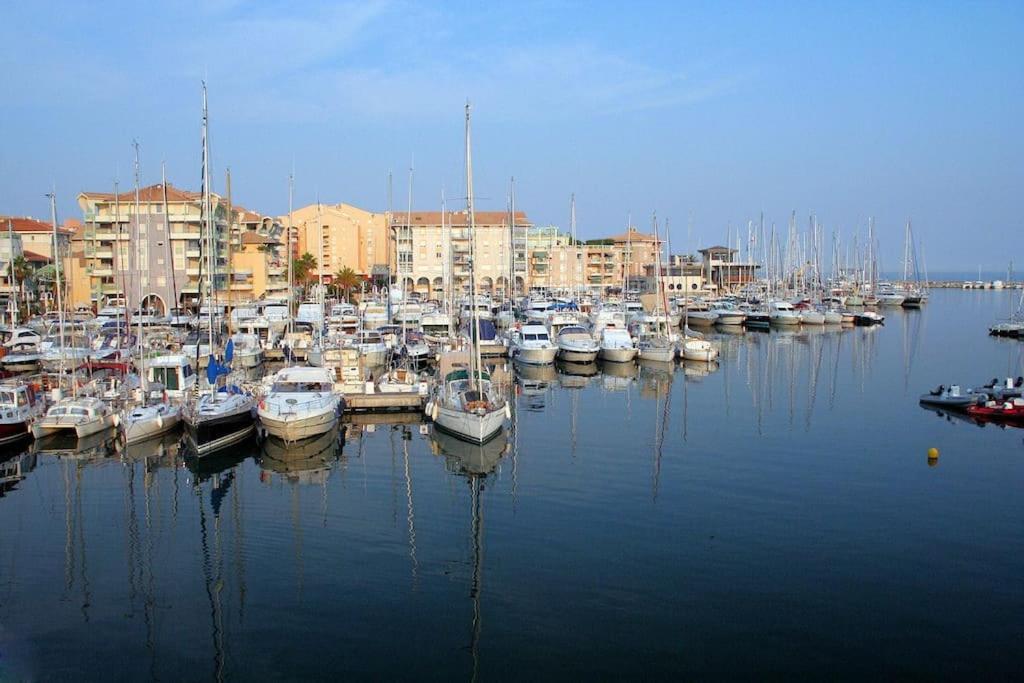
774, 515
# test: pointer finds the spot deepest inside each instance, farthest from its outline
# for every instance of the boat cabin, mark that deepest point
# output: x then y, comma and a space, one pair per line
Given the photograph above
173, 373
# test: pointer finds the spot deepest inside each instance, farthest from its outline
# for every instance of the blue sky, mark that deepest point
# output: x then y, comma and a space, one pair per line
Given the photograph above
706, 113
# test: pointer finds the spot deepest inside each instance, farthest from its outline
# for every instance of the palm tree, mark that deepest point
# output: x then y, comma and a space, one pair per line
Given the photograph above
304, 269
347, 279
21, 272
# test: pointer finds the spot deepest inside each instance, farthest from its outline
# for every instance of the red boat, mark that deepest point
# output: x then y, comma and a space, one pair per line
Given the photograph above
1010, 412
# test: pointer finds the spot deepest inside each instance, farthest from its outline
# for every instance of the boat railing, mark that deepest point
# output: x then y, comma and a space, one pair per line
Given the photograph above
292, 405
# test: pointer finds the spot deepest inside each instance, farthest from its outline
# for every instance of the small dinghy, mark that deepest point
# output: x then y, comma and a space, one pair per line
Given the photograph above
952, 397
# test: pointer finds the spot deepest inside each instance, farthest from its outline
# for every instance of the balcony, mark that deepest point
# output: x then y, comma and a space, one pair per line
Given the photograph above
241, 286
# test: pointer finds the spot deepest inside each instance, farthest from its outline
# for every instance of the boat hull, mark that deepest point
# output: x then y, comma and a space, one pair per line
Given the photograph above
14, 432
476, 428
577, 356
533, 356
618, 355
138, 430
211, 435
290, 429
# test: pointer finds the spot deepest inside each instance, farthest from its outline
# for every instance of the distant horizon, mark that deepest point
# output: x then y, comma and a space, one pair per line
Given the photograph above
667, 112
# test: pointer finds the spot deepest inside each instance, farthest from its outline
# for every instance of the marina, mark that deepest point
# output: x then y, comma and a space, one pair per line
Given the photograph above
741, 488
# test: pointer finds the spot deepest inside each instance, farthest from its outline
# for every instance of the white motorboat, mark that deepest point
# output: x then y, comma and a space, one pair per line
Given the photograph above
20, 407
701, 318
616, 345
78, 417
300, 403
608, 314
833, 317
247, 352
576, 345
532, 344
656, 348
728, 314
698, 350
783, 314
147, 421
810, 316
372, 347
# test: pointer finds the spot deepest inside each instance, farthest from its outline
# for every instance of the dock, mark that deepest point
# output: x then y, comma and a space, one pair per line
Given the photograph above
384, 402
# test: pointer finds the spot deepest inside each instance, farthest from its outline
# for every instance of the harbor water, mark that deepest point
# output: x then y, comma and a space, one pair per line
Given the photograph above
774, 514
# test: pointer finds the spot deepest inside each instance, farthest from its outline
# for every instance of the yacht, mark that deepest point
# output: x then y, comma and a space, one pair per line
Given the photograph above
576, 345
698, 350
20, 406
784, 314
415, 349
171, 375
372, 347
531, 344
300, 403
247, 350
616, 345
728, 314
373, 313
79, 417
608, 314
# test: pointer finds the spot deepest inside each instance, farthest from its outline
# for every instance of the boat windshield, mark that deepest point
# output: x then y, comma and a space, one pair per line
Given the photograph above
166, 376
300, 387
7, 398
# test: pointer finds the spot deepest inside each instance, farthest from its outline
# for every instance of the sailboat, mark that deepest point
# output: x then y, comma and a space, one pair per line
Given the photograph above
216, 418
466, 404
653, 342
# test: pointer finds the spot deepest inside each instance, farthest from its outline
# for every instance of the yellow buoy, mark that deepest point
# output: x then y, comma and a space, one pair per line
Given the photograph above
933, 453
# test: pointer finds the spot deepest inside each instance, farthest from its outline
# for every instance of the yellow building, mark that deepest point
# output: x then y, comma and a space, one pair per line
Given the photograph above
257, 268
352, 237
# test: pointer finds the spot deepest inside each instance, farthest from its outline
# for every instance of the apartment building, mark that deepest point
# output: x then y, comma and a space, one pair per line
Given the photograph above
424, 241
156, 253
352, 237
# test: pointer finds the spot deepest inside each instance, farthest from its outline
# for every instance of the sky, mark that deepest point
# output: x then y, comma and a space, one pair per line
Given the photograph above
708, 114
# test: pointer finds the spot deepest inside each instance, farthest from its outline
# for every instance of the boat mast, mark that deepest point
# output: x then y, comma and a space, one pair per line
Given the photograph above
575, 247
207, 211
475, 363
231, 223
446, 268
138, 254
407, 268
288, 243
320, 269
512, 245
167, 220
56, 266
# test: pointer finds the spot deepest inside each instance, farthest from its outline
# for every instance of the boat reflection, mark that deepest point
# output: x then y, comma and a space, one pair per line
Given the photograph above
475, 463
305, 462
15, 468
576, 375
86, 449
698, 369
160, 451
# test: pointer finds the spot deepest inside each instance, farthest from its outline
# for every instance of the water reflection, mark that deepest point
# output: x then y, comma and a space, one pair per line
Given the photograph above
476, 463
13, 469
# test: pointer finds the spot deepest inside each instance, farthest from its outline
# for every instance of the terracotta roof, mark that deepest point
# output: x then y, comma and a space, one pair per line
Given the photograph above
633, 235
256, 238
150, 193
24, 224
33, 257
457, 219
247, 216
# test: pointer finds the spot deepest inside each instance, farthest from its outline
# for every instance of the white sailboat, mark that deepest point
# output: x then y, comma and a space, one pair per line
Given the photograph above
467, 405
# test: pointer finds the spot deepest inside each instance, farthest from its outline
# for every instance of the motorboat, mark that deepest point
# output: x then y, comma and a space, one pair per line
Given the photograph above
809, 315
1000, 412
576, 345
952, 397
490, 343
300, 403
728, 314
372, 348
196, 348
247, 350
77, 416
608, 314
783, 313
20, 406
616, 345
698, 350
468, 406
311, 313
832, 317
415, 349
532, 344
172, 375
868, 319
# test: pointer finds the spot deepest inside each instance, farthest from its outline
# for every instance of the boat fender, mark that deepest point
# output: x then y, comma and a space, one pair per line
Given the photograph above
434, 412
508, 412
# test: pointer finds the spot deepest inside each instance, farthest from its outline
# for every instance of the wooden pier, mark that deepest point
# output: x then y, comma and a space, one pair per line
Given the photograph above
385, 402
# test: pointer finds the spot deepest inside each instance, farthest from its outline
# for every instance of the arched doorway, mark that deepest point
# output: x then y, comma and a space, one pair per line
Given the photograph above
486, 284
438, 286
154, 303
502, 286
520, 285
423, 285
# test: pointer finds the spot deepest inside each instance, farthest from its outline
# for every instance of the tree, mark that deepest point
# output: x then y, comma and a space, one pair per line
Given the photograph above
347, 280
304, 269
22, 272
